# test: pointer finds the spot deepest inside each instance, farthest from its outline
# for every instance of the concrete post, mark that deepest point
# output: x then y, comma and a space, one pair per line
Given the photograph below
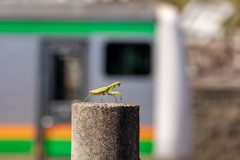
105, 131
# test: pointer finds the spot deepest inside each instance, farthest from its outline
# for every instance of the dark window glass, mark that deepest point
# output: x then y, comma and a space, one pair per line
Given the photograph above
128, 59
59, 86
66, 70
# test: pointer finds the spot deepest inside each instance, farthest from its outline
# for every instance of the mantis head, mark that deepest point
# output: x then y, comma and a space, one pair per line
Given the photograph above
117, 83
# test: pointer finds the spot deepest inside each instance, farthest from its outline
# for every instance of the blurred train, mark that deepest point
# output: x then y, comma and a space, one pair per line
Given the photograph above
54, 53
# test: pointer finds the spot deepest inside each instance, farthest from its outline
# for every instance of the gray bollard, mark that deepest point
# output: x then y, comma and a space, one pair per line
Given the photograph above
105, 131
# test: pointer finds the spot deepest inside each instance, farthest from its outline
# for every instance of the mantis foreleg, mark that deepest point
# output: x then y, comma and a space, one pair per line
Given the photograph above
115, 93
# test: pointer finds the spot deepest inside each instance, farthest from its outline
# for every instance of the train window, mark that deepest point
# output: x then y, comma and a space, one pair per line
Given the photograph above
128, 59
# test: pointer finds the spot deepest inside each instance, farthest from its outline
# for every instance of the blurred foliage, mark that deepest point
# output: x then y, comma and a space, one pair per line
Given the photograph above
234, 21
231, 24
180, 3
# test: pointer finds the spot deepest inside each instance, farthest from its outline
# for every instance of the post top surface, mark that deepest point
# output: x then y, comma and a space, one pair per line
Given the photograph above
103, 105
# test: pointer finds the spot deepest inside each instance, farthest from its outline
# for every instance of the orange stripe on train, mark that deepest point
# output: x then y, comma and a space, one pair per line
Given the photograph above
17, 132
56, 132
63, 131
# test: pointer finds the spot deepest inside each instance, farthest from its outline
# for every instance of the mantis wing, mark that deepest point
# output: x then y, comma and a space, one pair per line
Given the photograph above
99, 91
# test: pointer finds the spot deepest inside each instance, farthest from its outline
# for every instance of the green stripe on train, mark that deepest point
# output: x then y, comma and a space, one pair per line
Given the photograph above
75, 27
53, 148
58, 148
16, 146
146, 147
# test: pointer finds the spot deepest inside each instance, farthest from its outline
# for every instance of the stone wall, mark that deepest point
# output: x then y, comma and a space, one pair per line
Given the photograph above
217, 124
215, 76
216, 58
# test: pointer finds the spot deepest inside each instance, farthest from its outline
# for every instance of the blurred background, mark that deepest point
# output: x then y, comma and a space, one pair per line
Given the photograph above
53, 52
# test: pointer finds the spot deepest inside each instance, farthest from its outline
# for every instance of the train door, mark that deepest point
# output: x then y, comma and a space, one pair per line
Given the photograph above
127, 60
63, 80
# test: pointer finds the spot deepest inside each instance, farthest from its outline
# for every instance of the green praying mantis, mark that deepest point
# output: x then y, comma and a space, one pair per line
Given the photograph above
106, 91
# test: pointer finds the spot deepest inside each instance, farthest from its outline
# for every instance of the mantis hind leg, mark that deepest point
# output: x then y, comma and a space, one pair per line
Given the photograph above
86, 97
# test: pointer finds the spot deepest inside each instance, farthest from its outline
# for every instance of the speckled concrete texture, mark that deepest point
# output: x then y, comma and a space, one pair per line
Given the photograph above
105, 131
